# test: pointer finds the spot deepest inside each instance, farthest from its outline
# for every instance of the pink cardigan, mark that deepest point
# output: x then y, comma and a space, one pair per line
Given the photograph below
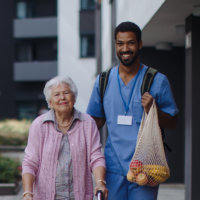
41, 155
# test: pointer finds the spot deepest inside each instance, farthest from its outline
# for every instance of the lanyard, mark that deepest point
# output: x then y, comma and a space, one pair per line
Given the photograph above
126, 106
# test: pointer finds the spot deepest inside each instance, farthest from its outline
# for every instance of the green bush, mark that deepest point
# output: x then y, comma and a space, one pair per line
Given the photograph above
14, 141
10, 170
14, 132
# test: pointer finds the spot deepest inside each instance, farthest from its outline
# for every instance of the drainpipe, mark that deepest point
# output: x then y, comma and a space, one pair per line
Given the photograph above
113, 23
98, 49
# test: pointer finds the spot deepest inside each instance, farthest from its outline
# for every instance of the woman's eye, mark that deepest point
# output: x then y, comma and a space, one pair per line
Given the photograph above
66, 92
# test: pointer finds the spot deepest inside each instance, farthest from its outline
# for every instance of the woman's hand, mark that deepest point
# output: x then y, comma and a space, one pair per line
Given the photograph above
27, 180
101, 186
28, 197
99, 176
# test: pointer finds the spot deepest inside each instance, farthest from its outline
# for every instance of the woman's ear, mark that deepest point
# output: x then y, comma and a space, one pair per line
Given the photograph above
49, 105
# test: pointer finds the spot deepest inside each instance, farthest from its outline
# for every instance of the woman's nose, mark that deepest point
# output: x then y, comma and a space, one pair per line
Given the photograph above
62, 96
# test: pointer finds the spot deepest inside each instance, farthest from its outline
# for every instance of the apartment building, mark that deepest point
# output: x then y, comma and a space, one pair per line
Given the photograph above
29, 55
35, 52
31, 51
42, 38
167, 27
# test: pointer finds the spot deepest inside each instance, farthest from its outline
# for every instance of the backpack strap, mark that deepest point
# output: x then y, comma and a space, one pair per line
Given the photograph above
148, 79
146, 84
103, 81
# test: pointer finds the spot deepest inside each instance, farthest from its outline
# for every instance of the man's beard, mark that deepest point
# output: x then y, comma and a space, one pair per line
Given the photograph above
128, 63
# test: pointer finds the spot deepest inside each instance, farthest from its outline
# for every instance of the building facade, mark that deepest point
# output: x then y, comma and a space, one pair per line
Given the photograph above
44, 38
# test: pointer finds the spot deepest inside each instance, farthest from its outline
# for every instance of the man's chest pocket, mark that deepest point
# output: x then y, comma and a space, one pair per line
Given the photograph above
137, 111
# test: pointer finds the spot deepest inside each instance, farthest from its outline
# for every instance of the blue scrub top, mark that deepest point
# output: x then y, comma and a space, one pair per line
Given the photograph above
121, 141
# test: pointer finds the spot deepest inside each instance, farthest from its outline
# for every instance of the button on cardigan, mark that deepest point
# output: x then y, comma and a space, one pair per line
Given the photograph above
41, 156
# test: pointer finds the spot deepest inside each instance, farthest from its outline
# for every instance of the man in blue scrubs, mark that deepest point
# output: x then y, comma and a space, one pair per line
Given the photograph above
122, 110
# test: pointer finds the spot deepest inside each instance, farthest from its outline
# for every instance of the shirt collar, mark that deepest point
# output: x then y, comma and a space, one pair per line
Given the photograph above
50, 116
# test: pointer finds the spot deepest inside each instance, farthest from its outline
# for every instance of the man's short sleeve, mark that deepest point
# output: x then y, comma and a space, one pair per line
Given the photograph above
95, 107
165, 99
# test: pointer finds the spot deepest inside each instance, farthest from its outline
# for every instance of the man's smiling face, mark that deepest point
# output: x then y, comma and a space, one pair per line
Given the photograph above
127, 47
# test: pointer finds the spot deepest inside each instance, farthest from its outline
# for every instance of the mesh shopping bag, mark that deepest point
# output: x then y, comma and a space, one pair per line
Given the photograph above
148, 165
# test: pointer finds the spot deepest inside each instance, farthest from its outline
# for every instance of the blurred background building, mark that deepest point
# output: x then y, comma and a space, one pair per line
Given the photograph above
28, 54
43, 38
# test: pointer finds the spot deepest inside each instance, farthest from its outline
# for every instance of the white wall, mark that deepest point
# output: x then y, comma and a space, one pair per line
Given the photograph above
106, 35
138, 11
82, 71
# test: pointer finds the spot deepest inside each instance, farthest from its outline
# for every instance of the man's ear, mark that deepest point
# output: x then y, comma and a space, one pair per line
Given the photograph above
140, 44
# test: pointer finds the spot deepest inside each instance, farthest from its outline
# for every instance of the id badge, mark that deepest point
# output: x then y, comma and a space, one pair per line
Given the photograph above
124, 120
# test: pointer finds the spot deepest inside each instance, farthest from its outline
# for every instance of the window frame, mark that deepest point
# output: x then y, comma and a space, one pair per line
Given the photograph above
86, 7
88, 55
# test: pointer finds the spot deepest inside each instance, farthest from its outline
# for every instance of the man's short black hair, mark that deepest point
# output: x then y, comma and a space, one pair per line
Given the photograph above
128, 27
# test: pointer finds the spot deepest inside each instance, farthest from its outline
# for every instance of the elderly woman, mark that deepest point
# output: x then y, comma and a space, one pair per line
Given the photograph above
63, 148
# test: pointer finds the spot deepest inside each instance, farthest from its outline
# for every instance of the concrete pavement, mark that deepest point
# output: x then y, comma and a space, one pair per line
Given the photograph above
166, 192
171, 191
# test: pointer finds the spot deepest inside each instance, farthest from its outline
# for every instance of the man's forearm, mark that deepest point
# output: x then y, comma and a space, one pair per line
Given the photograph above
167, 121
99, 121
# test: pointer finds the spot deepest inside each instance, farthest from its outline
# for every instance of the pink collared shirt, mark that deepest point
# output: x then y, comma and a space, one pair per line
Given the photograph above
41, 156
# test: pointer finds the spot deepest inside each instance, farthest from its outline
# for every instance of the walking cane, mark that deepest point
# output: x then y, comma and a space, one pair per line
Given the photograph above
99, 195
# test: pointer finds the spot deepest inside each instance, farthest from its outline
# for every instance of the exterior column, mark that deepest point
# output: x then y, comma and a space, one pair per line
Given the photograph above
113, 22
7, 86
98, 49
192, 108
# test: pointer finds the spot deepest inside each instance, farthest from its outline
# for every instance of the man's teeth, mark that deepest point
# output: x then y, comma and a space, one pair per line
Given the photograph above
127, 55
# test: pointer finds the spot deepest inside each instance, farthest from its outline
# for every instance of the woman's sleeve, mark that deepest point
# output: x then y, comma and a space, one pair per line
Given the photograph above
96, 156
31, 160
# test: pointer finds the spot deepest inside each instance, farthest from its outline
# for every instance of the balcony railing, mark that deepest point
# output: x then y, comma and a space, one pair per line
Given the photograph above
35, 71
35, 27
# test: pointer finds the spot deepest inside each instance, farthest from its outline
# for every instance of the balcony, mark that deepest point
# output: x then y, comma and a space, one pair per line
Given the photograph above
35, 27
35, 71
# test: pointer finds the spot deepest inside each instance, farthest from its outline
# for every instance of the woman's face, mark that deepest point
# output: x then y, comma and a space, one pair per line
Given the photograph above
62, 99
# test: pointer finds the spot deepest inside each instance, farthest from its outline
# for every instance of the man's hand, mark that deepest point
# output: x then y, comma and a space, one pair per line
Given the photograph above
165, 120
147, 101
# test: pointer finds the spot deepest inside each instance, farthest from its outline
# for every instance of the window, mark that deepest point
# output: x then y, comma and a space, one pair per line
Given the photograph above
87, 45
21, 10
24, 52
35, 8
30, 109
43, 49
87, 4
26, 110
24, 9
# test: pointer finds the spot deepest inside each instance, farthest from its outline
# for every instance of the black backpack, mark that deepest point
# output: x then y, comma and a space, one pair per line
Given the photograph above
145, 87
146, 84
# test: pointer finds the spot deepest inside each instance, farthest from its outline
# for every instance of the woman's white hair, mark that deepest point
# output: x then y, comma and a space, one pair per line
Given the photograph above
55, 82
